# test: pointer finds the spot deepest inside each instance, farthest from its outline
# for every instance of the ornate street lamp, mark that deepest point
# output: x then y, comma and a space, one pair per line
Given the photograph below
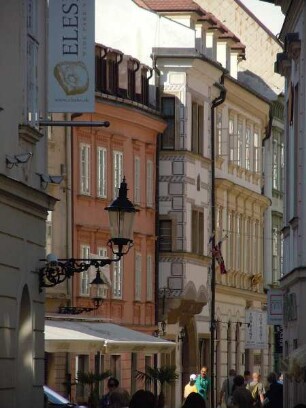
121, 218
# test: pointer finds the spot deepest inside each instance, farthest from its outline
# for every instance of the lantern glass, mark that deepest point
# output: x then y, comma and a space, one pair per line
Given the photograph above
121, 224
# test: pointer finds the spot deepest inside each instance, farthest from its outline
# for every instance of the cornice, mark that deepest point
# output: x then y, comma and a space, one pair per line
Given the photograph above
242, 293
24, 197
243, 192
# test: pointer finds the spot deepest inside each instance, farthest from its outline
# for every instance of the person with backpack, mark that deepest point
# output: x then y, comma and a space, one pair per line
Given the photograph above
227, 389
257, 390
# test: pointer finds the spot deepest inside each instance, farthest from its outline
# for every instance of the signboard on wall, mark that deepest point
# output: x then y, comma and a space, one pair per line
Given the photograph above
256, 329
71, 59
275, 307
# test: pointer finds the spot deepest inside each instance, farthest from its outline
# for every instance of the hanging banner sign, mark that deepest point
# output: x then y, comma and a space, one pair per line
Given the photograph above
256, 330
275, 307
71, 62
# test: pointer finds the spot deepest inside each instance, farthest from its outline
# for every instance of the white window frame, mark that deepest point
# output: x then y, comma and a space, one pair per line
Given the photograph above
117, 269
149, 278
138, 265
85, 169
101, 172
231, 136
248, 147
240, 135
257, 151
137, 180
117, 171
84, 276
149, 184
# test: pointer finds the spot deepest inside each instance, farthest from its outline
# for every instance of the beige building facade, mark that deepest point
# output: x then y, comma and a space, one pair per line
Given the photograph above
23, 202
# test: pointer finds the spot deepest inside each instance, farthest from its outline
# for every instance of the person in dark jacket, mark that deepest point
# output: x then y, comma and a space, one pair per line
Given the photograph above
112, 384
242, 397
274, 395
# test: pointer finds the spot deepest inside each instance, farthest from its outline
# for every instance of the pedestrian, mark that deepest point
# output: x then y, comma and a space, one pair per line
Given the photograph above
119, 398
227, 389
274, 395
247, 377
257, 390
242, 397
194, 400
142, 399
203, 384
280, 378
190, 386
112, 383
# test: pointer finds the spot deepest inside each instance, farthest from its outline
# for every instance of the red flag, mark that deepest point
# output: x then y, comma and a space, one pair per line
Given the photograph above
217, 254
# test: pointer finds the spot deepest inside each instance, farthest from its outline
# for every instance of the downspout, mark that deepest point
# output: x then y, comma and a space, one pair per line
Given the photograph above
216, 102
155, 362
72, 172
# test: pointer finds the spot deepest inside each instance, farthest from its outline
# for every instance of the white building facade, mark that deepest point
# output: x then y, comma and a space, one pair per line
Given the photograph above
291, 65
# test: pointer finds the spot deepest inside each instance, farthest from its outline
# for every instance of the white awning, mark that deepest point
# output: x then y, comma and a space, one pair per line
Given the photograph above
78, 336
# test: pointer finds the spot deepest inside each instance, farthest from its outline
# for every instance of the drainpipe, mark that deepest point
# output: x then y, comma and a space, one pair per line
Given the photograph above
156, 251
216, 102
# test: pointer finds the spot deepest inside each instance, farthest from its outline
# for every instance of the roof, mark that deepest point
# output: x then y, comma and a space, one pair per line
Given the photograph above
76, 335
170, 5
191, 6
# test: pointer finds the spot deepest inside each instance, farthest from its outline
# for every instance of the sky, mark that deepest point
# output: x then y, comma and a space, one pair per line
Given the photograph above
270, 15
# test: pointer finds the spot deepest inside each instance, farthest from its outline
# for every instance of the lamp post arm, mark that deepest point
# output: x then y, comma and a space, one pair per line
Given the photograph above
57, 272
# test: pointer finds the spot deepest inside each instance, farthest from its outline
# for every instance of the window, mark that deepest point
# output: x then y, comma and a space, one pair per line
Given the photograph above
255, 248
197, 232
248, 135
247, 248
81, 365
115, 366
197, 128
256, 151
231, 139
144, 86
32, 63
219, 132
168, 112
101, 173
102, 254
85, 169
49, 233
117, 171
117, 279
138, 260
165, 235
133, 65
229, 241
84, 276
239, 142
278, 162
100, 63
149, 184
112, 72
238, 243
149, 279
137, 180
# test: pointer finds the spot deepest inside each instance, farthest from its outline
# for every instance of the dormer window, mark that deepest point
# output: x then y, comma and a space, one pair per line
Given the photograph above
145, 84
100, 62
132, 68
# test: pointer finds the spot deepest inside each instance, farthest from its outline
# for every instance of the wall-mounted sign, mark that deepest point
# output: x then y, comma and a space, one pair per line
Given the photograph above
256, 330
275, 306
71, 62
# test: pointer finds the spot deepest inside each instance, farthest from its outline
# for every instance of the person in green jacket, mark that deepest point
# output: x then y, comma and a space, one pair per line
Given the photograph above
203, 383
